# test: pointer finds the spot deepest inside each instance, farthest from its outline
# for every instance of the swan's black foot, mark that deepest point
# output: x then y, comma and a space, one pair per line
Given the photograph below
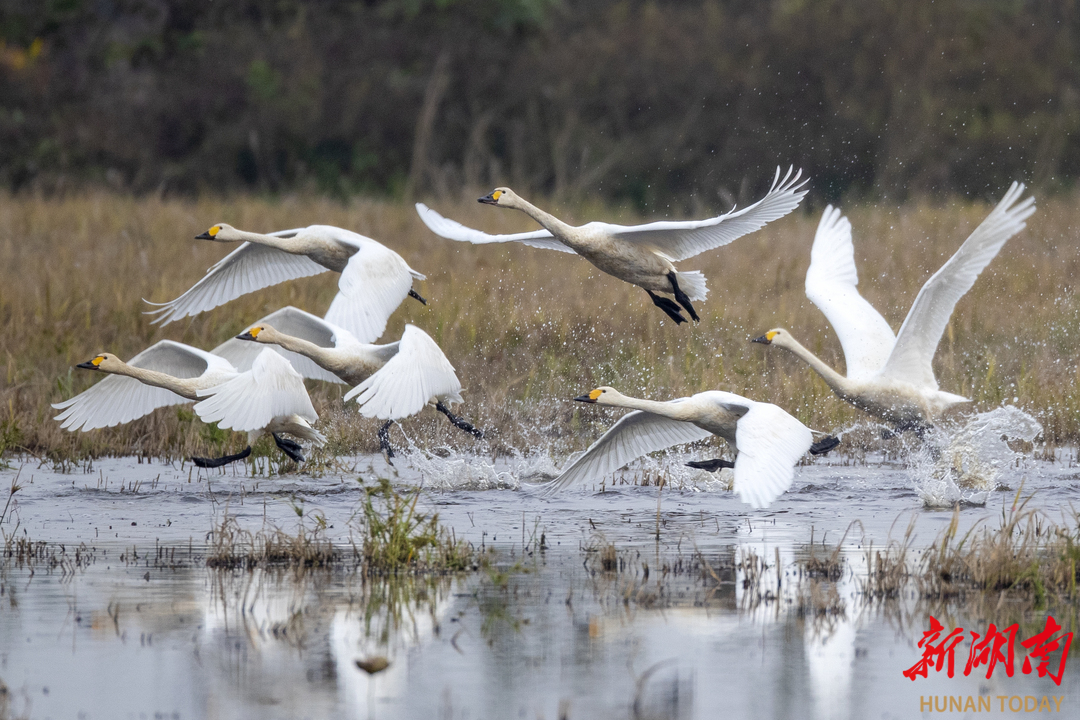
682, 297
458, 422
673, 311
384, 441
223, 460
293, 449
824, 446
416, 296
711, 465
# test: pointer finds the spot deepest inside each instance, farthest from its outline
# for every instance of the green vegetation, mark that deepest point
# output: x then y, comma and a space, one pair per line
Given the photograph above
655, 104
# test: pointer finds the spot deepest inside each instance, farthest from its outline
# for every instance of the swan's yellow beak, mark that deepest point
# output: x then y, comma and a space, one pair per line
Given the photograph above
590, 398
93, 364
492, 198
209, 234
251, 334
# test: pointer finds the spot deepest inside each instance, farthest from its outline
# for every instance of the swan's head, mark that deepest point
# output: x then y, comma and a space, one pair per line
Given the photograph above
104, 362
220, 232
499, 196
260, 334
776, 336
601, 396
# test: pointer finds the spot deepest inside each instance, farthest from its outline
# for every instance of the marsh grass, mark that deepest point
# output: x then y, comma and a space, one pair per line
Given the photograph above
233, 547
397, 537
526, 329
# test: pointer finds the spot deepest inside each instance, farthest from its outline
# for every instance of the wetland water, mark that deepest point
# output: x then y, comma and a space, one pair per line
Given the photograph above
138, 627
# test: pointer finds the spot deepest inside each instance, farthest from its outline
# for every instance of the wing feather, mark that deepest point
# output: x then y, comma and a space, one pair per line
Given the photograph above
831, 284
297, 323
679, 240
913, 355
770, 443
375, 281
635, 434
412, 378
453, 230
253, 399
246, 269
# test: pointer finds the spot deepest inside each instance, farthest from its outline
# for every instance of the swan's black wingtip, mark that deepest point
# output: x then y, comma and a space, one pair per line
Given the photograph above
823, 446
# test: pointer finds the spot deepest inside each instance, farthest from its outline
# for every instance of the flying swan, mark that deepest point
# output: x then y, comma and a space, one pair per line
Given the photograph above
641, 254
166, 373
768, 440
892, 378
374, 279
390, 382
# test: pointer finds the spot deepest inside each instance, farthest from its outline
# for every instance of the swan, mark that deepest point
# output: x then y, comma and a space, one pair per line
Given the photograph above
268, 398
374, 279
390, 381
642, 255
892, 378
166, 373
768, 440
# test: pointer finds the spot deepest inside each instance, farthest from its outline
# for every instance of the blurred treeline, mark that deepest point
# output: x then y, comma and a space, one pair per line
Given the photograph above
685, 103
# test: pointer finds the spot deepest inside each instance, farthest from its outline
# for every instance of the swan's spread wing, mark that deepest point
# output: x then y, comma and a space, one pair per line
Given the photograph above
119, 399
769, 442
297, 323
636, 434
912, 358
830, 284
250, 401
373, 284
417, 374
453, 230
246, 269
681, 240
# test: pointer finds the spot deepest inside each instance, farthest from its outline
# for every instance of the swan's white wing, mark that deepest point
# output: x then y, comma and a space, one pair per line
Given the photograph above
246, 269
119, 399
418, 373
769, 442
453, 230
372, 285
250, 401
681, 240
297, 323
636, 434
912, 357
865, 336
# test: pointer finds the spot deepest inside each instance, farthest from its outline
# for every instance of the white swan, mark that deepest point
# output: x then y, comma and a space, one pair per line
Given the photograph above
890, 377
641, 254
374, 279
268, 398
768, 440
391, 382
167, 373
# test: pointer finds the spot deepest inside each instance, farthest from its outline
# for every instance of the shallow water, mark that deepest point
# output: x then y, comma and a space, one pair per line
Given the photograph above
141, 628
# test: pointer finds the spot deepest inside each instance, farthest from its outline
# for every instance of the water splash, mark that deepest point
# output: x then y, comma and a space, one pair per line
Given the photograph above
964, 466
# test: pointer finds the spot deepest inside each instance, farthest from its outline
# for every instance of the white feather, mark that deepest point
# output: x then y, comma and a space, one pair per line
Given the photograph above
269, 391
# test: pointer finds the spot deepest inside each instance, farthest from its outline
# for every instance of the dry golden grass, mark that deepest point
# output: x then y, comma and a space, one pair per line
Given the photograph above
526, 329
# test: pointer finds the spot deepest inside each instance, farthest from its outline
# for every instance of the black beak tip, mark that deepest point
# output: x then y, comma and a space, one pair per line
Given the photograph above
488, 200
204, 236
762, 339
87, 366
245, 336
584, 398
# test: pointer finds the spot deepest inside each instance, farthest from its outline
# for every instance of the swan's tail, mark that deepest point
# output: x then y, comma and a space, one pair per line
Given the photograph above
693, 284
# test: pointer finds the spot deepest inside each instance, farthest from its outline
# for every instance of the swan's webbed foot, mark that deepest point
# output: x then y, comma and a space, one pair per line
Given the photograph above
223, 460
458, 422
416, 296
384, 441
824, 445
293, 449
673, 311
682, 297
711, 465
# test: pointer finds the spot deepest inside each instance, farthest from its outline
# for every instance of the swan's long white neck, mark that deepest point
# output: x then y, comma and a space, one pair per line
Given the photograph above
841, 385
287, 244
664, 409
549, 222
353, 366
183, 388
